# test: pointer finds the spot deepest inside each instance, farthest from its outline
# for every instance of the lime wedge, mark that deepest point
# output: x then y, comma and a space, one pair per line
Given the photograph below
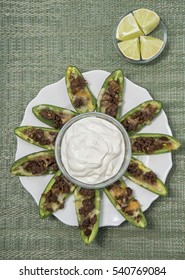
150, 46
147, 20
130, 48
128, 28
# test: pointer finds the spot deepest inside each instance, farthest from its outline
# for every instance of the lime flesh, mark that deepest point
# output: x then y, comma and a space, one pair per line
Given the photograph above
150, 46
148, 20
128, 28
130, 48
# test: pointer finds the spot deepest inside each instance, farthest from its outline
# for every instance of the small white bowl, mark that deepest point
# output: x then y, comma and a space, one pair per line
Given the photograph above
125, 163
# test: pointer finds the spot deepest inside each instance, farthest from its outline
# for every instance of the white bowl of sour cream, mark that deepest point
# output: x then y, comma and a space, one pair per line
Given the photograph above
93, 150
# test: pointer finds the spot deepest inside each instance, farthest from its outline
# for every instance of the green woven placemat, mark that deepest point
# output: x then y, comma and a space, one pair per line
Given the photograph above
39, 39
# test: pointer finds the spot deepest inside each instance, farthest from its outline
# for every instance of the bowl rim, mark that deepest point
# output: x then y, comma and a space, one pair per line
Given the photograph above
141, 61
112, 179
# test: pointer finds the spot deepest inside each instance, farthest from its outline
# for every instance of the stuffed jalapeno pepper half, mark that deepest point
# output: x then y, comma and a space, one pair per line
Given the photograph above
79, 93
55, 194
145, 177
152, 143
122, 198
39, 136
87, 205
53, 116
141, 115
109, 100
36, 164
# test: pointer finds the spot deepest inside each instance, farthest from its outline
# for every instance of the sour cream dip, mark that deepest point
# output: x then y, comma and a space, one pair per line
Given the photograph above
92, 150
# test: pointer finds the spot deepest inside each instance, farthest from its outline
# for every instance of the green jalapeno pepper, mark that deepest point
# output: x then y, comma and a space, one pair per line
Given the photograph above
109, 100
35, 164
53, 116
79, 93
121, 197
151, 143
145, 177
39, 136
87, 205
141, 115
55, 194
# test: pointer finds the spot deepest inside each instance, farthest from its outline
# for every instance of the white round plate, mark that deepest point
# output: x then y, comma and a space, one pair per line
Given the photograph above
56, 94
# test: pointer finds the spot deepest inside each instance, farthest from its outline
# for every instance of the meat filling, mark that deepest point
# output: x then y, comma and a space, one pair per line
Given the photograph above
40, 165
58, 119
148, 177
41, 136
88, 206
60, 187
140, 117
148, 145
79, 102
125, 200
35, 167
110, 99
88, 221
87, 192
77, 83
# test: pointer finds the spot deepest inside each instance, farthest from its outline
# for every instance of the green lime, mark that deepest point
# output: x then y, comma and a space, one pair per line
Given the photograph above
128, 28
148, 20
150, 46
130, 48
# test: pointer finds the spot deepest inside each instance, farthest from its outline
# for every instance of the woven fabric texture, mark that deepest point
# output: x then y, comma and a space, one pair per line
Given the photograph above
39, 39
